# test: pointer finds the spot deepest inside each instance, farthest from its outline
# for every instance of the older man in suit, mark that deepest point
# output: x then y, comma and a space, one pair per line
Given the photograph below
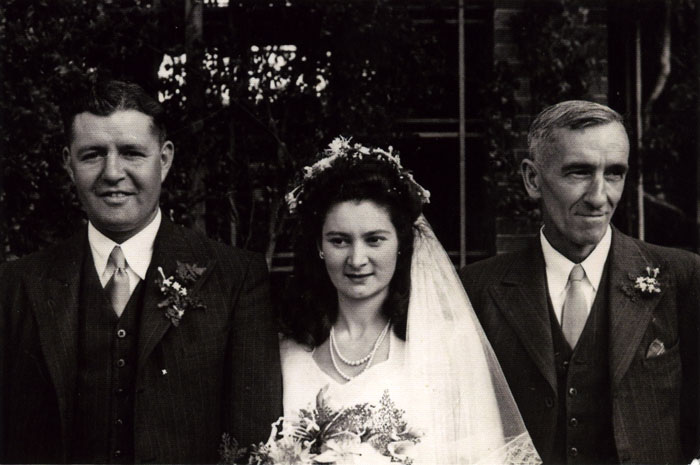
135, 340
596, 332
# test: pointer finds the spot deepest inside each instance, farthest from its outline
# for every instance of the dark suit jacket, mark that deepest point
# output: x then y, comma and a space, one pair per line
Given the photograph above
654, 400
221, 364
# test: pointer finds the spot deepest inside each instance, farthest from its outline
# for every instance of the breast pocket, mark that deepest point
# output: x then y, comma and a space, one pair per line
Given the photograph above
664, 370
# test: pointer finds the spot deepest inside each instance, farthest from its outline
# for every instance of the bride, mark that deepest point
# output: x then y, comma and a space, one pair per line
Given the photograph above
377, 307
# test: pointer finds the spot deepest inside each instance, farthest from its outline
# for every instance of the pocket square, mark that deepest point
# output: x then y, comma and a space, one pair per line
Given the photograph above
655, 349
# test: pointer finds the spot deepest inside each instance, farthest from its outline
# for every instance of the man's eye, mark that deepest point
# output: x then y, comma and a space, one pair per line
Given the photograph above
615, 175
134, 154
89, 155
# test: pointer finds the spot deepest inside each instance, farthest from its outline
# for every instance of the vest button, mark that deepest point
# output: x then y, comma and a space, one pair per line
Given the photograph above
573, 452
121, 334
120, 391
118, 422
549, 402
117, 453
573, 422
573, 392
121, 363
565, 364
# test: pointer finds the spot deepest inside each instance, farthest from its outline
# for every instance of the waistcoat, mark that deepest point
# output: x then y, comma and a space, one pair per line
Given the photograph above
104, 415
584, 431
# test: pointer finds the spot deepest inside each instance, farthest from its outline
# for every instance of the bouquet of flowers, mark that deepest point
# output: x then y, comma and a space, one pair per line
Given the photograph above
361, 434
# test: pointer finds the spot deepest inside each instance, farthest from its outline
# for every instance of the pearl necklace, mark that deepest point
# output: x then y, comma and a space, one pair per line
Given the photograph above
333, 347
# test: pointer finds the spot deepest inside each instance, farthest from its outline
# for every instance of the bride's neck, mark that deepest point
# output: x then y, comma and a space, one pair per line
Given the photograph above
357, 317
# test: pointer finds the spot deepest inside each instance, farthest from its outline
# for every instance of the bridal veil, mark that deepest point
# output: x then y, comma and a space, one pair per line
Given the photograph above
459, 396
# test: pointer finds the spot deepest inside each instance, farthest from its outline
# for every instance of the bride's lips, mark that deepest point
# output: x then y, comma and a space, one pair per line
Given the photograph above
357, 277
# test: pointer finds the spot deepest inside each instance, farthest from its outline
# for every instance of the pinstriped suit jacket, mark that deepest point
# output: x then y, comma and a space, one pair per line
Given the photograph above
655, 400
218, 371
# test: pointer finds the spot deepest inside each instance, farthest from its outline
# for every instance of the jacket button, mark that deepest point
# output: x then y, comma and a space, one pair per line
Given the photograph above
573, 452
573, 422
121, 334
121, 363
118, 422
549, 402
573, 392
117, 453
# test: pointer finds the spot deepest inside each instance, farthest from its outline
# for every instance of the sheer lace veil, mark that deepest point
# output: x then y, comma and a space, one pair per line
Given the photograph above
459, 395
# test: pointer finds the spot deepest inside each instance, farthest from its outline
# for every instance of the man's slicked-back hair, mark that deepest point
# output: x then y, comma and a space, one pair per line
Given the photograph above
103, 98
570, 114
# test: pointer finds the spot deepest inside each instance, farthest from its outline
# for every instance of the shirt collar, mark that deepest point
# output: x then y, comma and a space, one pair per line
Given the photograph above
138, 249
559, 267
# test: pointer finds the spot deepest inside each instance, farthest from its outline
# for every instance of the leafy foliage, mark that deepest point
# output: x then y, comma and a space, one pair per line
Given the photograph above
47, 48
563, 51
248, 108
669, 150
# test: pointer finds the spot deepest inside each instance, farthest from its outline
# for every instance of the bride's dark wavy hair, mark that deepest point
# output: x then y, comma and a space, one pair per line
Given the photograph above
311, 306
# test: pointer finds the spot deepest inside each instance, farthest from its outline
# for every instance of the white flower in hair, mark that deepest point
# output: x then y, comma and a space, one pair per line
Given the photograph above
340, 148
338, 145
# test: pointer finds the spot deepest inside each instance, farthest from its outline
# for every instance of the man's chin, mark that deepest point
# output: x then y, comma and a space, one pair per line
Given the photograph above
589, 238
116, 229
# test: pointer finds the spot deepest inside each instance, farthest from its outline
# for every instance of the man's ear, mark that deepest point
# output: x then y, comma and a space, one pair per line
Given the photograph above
532, 178
66, 163
167, 153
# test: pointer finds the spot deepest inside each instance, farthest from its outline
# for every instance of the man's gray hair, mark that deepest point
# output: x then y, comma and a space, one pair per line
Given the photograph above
571, 114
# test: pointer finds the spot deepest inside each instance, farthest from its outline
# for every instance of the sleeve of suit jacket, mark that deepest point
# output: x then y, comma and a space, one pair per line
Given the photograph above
253, 357
689, 322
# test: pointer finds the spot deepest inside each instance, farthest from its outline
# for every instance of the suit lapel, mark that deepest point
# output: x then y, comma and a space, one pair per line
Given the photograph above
630, 311
522, 298
55, 305
170, 247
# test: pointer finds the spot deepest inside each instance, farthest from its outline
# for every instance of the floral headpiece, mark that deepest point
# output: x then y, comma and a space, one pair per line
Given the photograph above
340, 148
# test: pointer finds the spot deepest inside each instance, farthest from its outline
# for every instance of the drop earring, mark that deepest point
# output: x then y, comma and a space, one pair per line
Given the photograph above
321, 255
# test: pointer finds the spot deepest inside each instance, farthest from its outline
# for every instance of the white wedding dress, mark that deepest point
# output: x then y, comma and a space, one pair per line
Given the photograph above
303, 379
445, 376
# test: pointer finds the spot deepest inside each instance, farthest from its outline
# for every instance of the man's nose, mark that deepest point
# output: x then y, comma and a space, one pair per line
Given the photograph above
113, 169
358, 256
597, 195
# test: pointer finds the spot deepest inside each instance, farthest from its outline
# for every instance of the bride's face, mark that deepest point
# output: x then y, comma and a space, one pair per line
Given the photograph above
360, 246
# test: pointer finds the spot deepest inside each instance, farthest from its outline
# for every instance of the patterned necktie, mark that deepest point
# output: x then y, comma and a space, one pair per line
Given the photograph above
575, 312
118, 286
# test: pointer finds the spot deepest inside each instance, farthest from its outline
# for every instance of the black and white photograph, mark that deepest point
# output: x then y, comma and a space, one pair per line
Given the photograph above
359, 232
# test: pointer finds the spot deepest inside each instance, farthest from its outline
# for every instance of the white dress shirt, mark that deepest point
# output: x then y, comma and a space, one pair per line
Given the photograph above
558, 268
137, 250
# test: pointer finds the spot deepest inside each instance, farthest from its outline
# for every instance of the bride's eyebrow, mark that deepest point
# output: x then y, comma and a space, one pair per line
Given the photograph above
368, 233
376, 231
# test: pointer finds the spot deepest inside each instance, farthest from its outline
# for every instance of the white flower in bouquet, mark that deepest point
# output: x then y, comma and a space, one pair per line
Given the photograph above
363, 434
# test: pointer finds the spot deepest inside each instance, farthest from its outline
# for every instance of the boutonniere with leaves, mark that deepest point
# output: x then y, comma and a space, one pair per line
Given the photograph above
647, 284
178, 299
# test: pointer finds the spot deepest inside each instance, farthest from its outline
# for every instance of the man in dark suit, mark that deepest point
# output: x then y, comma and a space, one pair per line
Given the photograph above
596, 332
135, 340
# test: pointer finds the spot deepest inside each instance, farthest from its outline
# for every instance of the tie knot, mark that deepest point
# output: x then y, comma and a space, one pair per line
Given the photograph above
117, 259
577, 273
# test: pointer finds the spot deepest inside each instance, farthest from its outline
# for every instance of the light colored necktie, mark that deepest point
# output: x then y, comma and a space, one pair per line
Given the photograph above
575, 312
118, 286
